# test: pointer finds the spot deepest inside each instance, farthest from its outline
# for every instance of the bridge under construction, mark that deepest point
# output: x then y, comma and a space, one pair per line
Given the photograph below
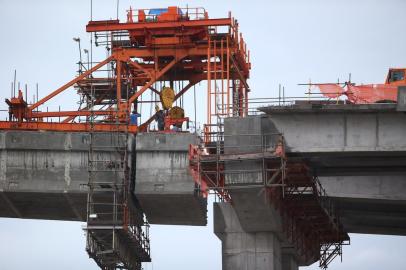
293, 177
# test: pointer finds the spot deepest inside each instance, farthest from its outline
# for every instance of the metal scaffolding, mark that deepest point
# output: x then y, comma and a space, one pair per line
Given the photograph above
309, 221
117, 233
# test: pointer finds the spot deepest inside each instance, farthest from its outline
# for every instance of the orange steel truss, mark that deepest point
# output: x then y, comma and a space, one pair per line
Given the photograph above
309, 221
174, 46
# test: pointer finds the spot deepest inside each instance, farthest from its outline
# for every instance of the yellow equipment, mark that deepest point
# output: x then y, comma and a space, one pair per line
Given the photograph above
167, 97
176, 113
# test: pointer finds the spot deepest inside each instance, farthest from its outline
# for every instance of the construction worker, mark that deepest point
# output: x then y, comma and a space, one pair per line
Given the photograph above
176, 128
160, 118
134, 118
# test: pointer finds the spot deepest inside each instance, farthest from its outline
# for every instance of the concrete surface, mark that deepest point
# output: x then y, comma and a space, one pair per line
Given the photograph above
255, 214
341, 128
164, 186
245, 250
374, 204
249, 136
358, 152
44, 175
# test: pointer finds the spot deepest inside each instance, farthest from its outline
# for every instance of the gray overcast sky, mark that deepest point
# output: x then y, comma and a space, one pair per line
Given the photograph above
290, 42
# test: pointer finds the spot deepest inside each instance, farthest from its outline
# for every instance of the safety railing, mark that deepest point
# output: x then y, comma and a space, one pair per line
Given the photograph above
214, 162
237, 143
238, 39
255, 103
152, 14
235, 148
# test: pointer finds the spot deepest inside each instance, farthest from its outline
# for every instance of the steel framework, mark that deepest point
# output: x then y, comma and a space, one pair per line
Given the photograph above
179, 47
152, 49
309, 220
117, 233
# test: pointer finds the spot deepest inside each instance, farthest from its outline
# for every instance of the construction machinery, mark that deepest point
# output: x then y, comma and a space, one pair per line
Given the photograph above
163, 52
366, 93
396, 76
155, 48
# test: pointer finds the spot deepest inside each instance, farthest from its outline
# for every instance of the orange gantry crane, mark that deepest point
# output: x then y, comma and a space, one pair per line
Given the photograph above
165, 52
176, 47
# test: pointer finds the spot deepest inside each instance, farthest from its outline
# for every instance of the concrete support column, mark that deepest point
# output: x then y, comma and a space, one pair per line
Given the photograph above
244, 250
289, 262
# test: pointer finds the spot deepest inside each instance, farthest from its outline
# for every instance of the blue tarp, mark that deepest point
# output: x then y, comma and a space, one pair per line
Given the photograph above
157, 11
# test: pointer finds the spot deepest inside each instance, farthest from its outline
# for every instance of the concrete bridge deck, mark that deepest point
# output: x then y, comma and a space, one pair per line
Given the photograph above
358, 153
44, 175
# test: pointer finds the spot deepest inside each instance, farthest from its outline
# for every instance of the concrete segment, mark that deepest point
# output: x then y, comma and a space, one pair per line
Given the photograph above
358, 152
374, 204
341, 128
164, 186
381, 187
44, 175
372, 216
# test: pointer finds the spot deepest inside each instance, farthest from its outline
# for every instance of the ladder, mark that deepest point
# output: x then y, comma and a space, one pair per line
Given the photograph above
116, 230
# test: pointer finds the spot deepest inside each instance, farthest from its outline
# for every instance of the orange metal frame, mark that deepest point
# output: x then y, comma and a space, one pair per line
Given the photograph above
73, 127
168, 49
366, 93
398, 82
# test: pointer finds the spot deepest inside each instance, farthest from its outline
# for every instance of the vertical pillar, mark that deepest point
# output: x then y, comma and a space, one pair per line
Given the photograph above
3, 161
118, 84
244, 250
289, 262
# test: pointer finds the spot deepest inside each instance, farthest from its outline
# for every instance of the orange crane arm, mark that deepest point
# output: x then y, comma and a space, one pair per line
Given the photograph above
69, 84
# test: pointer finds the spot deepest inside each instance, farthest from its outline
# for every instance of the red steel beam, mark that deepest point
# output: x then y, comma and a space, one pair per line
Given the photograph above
72, 82
70, 118
70, 127
156, 77
200, 50
69, 113
114, 25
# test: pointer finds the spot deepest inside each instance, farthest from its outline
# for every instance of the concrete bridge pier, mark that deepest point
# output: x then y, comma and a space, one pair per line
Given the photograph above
241, 250
289, 262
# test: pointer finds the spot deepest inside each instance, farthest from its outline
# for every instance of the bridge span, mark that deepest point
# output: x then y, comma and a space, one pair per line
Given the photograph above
357, 152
